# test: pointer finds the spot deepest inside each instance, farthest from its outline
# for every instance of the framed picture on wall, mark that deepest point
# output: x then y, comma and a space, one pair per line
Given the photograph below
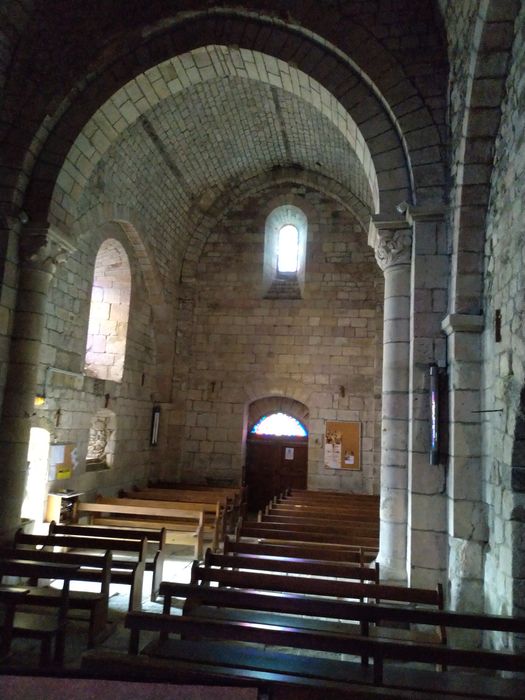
342, 445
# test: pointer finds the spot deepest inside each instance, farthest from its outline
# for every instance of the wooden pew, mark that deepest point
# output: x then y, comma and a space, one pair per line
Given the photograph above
10, 597
292, 565
202, 651
309, 495
265, 532
217, 509
127, 571
237, 494
308, 512
157, 549
90, 567
45, 628
347, 588
368, 529
329, 552
183, 521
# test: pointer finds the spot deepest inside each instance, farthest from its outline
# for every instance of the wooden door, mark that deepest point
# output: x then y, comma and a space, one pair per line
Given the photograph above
273, 465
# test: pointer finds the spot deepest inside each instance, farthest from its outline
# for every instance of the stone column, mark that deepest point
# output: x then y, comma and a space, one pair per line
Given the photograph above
39, 252
393, 246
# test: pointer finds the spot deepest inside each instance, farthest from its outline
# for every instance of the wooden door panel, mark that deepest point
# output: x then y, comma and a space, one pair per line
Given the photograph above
269, 472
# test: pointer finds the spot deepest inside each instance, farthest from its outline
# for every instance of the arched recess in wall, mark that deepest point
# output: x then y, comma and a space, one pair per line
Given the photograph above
109, 313
275, 462
102, 440
290, 177
111, 220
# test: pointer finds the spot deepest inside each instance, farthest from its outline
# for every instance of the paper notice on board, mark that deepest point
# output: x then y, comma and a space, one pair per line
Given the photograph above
62, 461
332, 455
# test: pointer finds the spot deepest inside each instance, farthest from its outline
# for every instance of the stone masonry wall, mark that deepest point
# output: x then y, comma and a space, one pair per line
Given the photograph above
504, 376
245, 347
73, 399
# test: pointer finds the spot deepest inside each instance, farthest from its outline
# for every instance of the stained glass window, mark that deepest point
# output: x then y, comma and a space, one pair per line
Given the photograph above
279, 424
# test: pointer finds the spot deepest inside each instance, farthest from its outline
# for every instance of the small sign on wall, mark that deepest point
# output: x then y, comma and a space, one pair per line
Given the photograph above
288, 453
342, 445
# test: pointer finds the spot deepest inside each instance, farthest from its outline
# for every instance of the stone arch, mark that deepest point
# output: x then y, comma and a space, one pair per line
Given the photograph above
277, 404
93, 142
474, 160
209, 219
130, 224
332, 65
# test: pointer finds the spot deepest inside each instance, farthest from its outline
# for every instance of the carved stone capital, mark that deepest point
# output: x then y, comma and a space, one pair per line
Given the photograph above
44, 248
393, 247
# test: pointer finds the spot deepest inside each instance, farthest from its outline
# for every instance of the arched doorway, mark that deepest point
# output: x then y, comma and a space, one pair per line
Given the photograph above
276, 454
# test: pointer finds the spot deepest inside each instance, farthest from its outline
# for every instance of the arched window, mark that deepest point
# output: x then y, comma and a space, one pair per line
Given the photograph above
109, 312
284, 253
288, 253
279, 424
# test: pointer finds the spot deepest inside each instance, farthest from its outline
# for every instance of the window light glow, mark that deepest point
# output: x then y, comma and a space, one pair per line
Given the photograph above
288, 254
279, 424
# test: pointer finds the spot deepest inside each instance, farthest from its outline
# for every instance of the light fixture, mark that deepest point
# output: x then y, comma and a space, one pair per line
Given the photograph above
39, 400
155, 422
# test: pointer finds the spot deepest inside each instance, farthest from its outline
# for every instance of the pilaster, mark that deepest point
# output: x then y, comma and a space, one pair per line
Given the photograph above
427, 538
41, 249
467, 523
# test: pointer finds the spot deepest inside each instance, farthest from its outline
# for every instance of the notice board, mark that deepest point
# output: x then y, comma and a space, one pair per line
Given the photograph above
342, 446
62, 461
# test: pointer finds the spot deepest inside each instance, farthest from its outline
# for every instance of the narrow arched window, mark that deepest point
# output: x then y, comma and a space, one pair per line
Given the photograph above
288, 253
279, 424
109, 312
285, 253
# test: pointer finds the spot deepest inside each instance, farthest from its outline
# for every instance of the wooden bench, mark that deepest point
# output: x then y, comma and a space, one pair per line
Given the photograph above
368, 529
45, 628
92, 568
184, 522
347, 588
266, 532
217, 510
235, 494
311, 512
322, 508
10, 597
215, 651
292, 565
157, 549
124, 571
309, 495
329, 552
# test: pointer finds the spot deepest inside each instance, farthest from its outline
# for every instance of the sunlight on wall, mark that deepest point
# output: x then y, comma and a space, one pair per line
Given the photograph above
36, 483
